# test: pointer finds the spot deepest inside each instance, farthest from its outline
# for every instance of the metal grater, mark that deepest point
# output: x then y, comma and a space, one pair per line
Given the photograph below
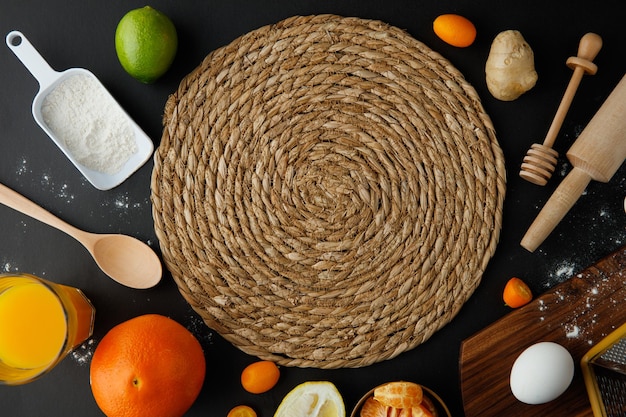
604, 370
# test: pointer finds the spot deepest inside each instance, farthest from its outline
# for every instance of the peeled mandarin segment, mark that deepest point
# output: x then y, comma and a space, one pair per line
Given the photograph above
396, 412
399, 394
373, 408
428, 407
421, 411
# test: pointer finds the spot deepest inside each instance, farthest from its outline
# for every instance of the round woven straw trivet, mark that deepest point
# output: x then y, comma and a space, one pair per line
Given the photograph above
327, 192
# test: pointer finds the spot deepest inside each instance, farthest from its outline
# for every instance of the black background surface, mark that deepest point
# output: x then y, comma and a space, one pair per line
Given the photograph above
80, 34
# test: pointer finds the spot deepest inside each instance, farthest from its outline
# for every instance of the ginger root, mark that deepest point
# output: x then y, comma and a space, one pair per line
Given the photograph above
510, 68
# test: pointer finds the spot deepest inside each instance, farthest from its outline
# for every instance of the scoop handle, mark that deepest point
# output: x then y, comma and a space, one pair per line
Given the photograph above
32, 60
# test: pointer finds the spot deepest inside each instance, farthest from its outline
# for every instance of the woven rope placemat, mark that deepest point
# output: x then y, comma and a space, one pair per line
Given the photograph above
327, 192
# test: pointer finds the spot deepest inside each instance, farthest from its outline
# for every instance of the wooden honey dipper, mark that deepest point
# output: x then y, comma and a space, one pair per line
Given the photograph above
541, 159
597, 154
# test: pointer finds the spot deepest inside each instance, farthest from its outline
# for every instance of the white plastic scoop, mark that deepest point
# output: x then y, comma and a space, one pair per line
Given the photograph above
49, 80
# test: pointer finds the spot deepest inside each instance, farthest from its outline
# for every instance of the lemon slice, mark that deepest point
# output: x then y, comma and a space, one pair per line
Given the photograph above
312, 399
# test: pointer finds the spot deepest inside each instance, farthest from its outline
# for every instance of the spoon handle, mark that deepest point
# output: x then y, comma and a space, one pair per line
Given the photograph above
16, 201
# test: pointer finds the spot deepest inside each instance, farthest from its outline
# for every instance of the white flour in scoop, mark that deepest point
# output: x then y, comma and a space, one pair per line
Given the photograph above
94, 129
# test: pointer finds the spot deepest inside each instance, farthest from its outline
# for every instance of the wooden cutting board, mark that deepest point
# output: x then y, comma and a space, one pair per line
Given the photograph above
577, 314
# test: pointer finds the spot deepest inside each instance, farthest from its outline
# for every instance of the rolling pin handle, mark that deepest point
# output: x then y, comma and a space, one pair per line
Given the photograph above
561, 201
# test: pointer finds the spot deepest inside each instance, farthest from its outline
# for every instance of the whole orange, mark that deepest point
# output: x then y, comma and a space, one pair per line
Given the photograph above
147, 366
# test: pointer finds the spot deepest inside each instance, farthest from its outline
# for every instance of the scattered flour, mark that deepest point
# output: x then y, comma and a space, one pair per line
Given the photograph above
200, 330
83, 353
581, 323
7, 266
562, 271
91, 125
565, 270
62, 192
572, 332
123, 201
23, 168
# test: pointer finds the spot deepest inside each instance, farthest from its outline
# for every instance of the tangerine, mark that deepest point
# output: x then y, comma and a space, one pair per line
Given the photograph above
516, 293
373, 408
147, 366
399, 394
241, 411
260, 377
455, 30
423, 410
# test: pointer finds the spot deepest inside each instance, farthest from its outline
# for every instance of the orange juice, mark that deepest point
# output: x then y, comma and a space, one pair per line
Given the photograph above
40, 322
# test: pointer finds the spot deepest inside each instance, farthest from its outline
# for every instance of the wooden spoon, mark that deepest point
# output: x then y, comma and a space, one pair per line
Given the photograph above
123, 258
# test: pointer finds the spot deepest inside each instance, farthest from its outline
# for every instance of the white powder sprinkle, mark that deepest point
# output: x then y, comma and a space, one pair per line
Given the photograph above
565, 271
93, 128
199, 329
7, 267
572, 332
582, 320
122, 202
23, 167
62, 191
562, 272
83, 353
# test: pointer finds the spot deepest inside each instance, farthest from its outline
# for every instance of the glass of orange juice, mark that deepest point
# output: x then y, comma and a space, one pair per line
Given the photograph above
40, 323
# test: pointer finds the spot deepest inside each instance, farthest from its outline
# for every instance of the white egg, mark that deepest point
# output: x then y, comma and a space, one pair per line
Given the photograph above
541, 373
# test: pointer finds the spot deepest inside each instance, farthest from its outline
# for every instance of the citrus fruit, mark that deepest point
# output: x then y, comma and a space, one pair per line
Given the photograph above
423, 410
259, 377
373, 408
399, 394
516, 293
147, 366
312, 399
241, 411
455, 30
146, 43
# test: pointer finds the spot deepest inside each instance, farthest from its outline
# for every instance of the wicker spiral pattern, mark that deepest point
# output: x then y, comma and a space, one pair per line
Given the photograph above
327, 192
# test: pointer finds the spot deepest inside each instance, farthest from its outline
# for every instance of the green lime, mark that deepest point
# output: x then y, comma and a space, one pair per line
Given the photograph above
146, 43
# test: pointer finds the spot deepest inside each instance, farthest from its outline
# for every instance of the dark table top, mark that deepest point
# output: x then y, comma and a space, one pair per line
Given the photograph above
80, 34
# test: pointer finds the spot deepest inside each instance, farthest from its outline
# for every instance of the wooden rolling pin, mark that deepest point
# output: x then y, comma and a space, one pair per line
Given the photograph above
597, 154
541, 159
